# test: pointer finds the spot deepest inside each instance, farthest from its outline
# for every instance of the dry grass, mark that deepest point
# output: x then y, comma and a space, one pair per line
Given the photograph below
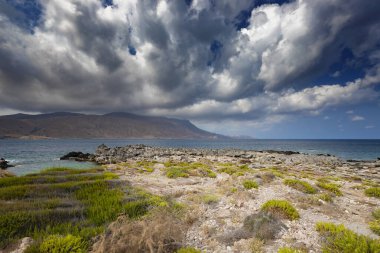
160, 232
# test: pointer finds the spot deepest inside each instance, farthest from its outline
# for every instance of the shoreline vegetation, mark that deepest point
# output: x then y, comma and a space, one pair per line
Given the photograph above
147, 199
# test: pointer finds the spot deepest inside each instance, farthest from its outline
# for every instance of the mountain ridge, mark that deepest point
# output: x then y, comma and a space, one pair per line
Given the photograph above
111, 125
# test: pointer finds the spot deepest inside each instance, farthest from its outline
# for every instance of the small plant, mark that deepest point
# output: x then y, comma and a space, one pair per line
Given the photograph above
340, 239
282, 208
331, 187
63, 244
375, 226
373, 192
376, 214
325, 197
302, 186
249, 184
176, 172
289, 250
188, 250
210, 199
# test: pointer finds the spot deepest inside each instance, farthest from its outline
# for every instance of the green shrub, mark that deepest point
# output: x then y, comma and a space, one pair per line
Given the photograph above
175, 172
373, 192
376, 214
325, 197
233, 169
300, 185
136, 209
375, 226
289, 250
282, 208
63, 244
210, 199
188, 250
249, 184
339, 239
331, 187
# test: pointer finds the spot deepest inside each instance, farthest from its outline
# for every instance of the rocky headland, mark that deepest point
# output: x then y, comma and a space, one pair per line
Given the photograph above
224, 192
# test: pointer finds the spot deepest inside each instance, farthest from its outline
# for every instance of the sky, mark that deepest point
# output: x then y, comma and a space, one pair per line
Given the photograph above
260, 68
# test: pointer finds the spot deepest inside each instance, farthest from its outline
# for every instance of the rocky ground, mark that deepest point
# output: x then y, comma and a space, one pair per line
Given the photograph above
211, 187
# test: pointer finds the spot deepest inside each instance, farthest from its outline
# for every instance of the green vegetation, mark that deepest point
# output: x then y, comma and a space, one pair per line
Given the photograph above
375, 225
184, 169
145, 166
188, 250
302, 186
373, 192
339, 239
210, 199
376, 214
233, 169
289, 250
331, 187
64, 206
249, 184
282, 208
63, 244
325, 197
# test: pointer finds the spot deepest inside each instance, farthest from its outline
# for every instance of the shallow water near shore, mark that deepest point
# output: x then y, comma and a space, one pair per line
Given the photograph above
33, 155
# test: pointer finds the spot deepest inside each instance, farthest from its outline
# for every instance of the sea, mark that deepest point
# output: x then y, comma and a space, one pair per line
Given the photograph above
31, 156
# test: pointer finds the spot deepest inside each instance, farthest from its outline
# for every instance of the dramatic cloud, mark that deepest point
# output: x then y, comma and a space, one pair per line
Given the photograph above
200, 59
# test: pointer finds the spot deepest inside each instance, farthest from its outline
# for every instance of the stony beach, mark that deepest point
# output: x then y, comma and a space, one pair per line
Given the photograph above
218, 203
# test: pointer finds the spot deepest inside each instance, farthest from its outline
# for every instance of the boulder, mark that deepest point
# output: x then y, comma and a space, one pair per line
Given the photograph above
4, 164
78, 156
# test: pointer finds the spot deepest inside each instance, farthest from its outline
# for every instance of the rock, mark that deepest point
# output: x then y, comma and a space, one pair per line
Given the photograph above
282, 152
4, 164
24, 244
78, 156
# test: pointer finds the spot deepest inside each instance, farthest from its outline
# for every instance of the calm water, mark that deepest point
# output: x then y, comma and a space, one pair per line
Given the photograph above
33, 155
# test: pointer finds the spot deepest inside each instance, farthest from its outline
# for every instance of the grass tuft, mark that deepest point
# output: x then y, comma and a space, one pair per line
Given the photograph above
373, 192
249, 184
63, 244
299, 185
339, 239
188, 250
331, 187
282, 208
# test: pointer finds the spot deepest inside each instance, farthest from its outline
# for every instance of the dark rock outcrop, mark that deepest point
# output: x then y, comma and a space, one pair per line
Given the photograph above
79, 157
4, 164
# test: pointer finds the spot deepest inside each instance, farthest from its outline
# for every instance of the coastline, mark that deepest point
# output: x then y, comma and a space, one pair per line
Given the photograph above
219, 197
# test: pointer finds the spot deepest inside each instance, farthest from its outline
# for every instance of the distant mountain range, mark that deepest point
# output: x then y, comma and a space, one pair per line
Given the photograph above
112, 125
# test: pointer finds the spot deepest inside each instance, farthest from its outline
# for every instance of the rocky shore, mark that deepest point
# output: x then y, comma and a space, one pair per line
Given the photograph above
224, 192
320, 163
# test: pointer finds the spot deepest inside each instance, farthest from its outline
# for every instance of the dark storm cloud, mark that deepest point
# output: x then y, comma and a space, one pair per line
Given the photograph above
198, 59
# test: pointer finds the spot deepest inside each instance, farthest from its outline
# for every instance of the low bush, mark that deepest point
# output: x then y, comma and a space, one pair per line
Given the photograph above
289, 250
325, 197
373, 192
249, 184
184, 169
331, 187
210, 199
299, 185
63, 244
233, 169
281, 208
339, 239
376, 214
188, 250
375, 226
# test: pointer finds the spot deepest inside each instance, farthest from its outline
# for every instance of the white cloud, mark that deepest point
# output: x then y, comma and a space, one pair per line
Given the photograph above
357, 118
78, 58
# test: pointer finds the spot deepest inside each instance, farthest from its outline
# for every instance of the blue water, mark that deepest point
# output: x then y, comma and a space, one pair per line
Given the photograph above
34, 155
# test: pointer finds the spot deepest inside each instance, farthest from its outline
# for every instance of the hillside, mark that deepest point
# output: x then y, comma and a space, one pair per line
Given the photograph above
112, 125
